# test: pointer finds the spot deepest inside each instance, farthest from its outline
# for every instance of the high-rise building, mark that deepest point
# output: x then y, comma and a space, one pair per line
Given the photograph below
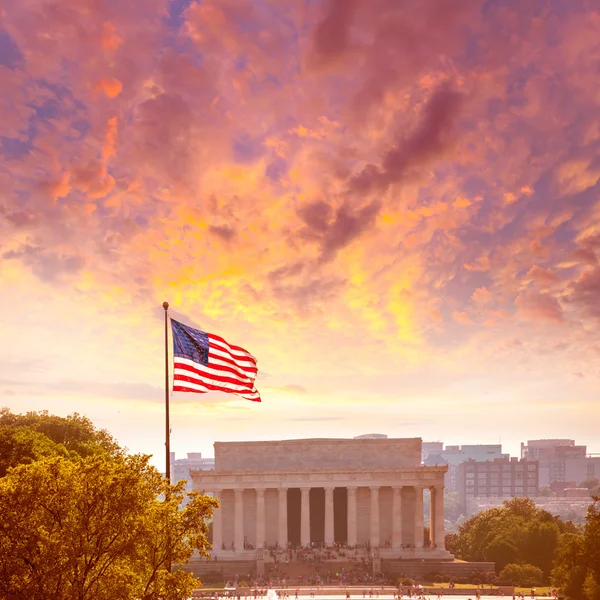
453, 456
552, 455
580, 469
500, 478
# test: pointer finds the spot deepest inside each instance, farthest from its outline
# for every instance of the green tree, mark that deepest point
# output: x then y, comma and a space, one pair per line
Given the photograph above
570, 571
502, 551
35, 435
96, 527
577, 562
521, 575
517, 532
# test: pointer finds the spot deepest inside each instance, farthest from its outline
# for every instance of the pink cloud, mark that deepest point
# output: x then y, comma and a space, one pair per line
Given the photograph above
538, 306
544, 277
462, 318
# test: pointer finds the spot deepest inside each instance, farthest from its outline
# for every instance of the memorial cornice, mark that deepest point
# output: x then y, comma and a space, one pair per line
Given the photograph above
412, 476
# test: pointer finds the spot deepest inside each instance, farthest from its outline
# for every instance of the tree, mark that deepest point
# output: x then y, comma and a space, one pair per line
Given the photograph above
451, 505
502, 551
590, 483
521, 575
32, 436
577, 563
516, 533
96, 527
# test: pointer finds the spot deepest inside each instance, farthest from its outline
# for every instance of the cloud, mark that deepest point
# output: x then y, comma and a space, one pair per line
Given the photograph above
223, 232
315, 419
429, 141
544, 277
347, 226
540, 306
110, 87
462, 318
583, 293
331, 37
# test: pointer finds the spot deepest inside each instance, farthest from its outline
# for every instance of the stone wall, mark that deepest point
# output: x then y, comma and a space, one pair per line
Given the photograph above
317, 454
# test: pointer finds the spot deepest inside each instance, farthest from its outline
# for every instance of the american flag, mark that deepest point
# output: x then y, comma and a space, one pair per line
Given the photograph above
204, 362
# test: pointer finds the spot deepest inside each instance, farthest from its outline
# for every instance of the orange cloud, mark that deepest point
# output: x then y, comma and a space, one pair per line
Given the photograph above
462, 318
110, 40
110, 86
110, 143
481, 295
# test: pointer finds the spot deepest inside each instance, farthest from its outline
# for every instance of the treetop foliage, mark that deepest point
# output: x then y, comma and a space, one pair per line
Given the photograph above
34, 435
81, 519
516, 533
577, 565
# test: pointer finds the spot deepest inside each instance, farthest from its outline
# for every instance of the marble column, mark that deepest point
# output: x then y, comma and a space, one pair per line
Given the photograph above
431, 516
305, 517
260, 518
282, 535
396, 517
329, 516
374, 516
238, 520
352, 530
217, 544
418, 517
439, 534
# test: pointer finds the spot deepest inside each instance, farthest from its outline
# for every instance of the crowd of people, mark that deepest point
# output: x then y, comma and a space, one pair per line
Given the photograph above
317, 553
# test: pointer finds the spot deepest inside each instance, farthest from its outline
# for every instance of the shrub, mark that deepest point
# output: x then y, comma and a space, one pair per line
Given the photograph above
521, 575
404, 580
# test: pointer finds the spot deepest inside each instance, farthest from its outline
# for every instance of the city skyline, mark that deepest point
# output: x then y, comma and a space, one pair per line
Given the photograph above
393, 206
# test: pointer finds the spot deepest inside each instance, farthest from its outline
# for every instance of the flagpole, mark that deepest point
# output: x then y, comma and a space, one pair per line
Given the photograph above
167, 424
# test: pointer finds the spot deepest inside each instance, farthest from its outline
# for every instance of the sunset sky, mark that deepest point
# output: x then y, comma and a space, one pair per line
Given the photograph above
393, 205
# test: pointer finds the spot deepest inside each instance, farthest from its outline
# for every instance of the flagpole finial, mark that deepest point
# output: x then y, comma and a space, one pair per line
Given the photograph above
165, 305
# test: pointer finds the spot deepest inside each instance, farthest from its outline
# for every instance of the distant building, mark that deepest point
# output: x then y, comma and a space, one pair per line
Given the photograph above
580, 469
180, 467
453, 456
552, 455
371, 436
431, 448
500, 478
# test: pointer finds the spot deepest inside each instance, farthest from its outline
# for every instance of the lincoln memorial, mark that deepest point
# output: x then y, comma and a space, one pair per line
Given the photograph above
322, 491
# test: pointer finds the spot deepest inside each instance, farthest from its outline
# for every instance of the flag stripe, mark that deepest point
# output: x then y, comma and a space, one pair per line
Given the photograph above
215, 366
189, 375
221, 385
207, 387
218, 355
234, 351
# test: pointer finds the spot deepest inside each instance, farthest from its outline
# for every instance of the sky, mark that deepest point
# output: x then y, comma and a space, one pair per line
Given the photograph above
393, 205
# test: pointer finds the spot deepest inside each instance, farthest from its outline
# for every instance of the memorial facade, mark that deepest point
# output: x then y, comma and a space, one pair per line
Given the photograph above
323, 491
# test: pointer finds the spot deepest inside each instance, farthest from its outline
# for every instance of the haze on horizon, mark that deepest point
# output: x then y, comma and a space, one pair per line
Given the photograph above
393, 205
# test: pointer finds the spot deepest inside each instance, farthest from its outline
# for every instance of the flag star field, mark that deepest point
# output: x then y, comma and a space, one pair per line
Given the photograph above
392, 207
